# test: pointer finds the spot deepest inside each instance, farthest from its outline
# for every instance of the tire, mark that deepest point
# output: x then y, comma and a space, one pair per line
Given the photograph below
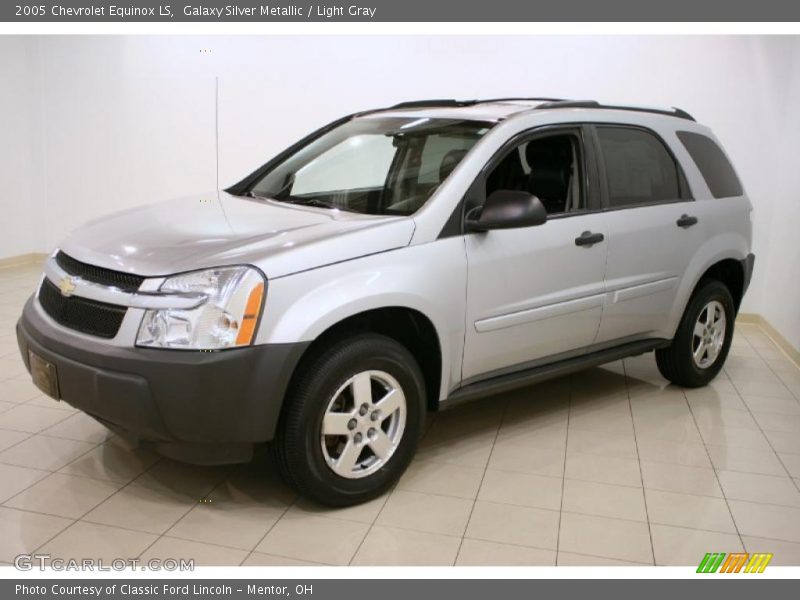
331, 383
677, 362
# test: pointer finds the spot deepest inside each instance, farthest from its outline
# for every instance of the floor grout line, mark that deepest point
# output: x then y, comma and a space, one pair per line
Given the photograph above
564, 473
480, 483
30, 435
390, 492
714, 467
504, 543
161, 535
74, 520
267, 532
49, 472
101, 502
777, 454
639, 463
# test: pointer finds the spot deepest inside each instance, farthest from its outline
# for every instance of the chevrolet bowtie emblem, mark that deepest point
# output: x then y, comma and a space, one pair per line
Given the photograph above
67, 286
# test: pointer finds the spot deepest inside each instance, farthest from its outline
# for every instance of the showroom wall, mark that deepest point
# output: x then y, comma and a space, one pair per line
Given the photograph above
96, 124
21, 136
779, 300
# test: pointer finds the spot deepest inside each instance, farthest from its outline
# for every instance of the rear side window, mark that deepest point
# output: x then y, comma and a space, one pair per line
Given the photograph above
639, 169
715, 167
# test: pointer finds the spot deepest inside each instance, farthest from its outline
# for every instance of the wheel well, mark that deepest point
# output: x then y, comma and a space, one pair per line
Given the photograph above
406, 326
731, 273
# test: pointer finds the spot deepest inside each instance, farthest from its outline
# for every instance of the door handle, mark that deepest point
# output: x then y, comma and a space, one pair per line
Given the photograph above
587, 238
686, 221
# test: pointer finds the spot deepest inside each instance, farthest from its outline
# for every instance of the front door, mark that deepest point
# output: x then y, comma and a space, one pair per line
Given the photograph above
536, 293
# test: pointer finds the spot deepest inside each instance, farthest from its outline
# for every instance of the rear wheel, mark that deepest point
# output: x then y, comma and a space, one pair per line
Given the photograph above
703, 339
352, 420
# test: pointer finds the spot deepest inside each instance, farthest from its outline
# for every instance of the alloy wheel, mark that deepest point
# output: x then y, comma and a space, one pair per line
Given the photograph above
708, 336
363, 424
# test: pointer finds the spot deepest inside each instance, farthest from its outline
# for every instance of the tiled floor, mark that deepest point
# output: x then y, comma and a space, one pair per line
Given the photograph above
610, 466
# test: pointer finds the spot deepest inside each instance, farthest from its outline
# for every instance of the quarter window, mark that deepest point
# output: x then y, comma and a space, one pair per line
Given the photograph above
715, 167
639, 169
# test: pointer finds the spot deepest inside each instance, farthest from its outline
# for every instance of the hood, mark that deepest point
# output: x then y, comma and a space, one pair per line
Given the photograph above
220, 229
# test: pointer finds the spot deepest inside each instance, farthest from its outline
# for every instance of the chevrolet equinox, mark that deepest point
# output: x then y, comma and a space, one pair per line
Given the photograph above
394, 262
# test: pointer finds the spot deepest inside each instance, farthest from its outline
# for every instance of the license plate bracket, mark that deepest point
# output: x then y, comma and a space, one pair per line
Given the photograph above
44, 374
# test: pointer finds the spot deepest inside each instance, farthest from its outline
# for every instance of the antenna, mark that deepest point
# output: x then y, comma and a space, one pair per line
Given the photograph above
216, 125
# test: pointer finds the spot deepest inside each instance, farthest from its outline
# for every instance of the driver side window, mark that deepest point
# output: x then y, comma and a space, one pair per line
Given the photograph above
547, 166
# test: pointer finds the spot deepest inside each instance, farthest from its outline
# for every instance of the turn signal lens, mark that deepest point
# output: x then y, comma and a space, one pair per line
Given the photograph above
250, 317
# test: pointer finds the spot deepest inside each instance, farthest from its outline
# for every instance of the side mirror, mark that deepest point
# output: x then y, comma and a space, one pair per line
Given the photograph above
507, 209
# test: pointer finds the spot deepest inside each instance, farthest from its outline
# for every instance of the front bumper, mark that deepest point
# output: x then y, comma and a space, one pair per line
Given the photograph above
201, 407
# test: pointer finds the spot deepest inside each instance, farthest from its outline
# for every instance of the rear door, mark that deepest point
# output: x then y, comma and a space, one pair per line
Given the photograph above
653, 227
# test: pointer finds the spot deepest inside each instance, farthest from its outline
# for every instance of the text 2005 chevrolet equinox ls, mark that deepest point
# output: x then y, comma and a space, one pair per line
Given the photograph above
396, 261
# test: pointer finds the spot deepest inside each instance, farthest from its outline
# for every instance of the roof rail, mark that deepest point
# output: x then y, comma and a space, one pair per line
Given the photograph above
490, 100
547, 103
675, 112
444, 103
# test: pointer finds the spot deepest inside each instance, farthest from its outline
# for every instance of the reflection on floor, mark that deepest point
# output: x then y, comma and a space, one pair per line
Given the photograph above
609, 466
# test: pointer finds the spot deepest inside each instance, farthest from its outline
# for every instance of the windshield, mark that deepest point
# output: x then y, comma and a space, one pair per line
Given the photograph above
376, 166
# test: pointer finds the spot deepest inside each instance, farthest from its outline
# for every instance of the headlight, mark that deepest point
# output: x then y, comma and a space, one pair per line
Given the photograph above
226, 320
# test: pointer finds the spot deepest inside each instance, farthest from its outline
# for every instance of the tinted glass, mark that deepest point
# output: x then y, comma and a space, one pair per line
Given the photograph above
639, 169
548, 167
373, 165
715, 167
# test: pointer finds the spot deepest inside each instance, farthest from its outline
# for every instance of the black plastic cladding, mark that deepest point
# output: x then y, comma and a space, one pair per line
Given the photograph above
124, 281
81, 314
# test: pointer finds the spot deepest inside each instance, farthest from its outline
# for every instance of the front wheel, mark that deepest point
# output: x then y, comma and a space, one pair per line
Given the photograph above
352, 420
703, 339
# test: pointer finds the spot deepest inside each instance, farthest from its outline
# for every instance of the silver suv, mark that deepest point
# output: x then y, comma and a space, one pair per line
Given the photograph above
394, 262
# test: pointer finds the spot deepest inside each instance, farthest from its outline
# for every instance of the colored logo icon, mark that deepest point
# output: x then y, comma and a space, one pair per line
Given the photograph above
735, 562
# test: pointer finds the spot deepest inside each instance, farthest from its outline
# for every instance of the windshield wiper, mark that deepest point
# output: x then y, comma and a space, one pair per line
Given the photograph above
315, 202
302, 202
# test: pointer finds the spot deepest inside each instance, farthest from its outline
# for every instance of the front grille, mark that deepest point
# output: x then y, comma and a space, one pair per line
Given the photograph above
87, 316
124, 281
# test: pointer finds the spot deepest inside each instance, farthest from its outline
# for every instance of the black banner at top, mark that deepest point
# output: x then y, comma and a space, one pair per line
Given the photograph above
254, 11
